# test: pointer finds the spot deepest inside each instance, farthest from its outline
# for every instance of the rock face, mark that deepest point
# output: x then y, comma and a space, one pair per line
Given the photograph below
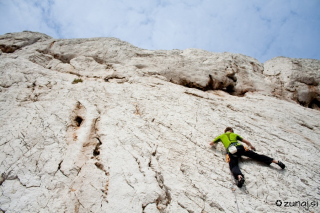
296, 79
132, 135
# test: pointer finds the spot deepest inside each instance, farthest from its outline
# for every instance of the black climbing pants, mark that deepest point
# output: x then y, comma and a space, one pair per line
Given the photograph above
234, 158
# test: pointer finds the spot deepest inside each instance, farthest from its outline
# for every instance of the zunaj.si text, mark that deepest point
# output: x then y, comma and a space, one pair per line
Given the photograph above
305, 204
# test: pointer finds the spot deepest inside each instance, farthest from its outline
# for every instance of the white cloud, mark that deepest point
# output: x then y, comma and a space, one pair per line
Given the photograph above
17, 16
261, 29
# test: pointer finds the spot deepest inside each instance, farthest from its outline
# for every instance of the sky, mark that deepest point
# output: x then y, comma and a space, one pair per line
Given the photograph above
262, 29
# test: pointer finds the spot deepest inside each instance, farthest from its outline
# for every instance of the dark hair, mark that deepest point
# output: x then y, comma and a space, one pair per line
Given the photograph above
228, 129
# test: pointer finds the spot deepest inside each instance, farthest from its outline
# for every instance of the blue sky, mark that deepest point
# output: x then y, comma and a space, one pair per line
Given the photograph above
262, 29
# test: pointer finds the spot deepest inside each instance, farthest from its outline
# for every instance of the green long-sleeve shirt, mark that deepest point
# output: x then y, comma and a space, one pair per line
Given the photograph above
228, 138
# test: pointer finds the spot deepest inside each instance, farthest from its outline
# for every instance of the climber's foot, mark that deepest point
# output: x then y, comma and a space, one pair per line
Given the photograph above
281, 165
240, 181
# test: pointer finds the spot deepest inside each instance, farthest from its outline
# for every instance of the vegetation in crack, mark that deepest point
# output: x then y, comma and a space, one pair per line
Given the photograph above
77, 80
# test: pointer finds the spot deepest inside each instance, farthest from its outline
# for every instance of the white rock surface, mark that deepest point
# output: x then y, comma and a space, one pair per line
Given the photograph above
134, 135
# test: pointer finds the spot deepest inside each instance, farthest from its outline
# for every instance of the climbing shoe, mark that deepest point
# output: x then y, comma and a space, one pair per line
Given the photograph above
281, 165
240, 182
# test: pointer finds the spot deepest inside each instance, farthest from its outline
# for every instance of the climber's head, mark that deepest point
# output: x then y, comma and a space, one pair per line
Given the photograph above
228, 129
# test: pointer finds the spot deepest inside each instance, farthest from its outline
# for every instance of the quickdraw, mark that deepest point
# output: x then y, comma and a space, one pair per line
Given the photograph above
227, 158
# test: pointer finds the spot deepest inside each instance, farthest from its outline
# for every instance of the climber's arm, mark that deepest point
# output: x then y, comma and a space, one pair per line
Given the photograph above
249, 144
215, 141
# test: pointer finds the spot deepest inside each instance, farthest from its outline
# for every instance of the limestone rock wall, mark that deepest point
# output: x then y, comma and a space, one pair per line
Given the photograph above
133, 135
296, 79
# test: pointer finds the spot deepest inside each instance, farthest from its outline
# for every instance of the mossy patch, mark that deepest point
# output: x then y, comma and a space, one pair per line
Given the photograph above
77, 80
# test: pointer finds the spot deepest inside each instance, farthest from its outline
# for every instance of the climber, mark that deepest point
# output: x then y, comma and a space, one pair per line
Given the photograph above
236, 150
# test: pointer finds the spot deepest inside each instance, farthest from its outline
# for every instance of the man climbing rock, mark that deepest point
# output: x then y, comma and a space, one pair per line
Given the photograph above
235, 150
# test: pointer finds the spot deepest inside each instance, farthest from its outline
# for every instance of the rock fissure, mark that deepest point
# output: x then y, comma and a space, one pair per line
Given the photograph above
101, 167
163, 202
195, 202
188, 138
5, 177
59, 169
182, 206
79, 204
129, 184
96, 150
